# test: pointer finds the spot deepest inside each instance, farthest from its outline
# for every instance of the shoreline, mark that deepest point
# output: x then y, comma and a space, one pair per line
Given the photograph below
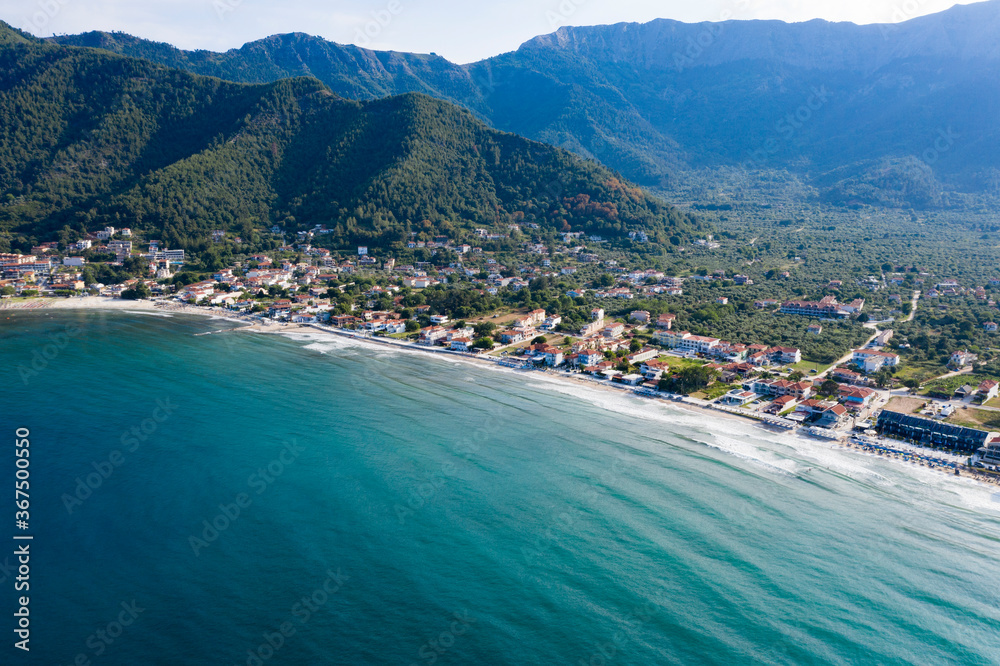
256, 324
120, 305
689, 405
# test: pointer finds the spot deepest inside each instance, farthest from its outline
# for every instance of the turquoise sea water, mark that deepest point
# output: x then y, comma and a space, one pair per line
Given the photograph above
396, 508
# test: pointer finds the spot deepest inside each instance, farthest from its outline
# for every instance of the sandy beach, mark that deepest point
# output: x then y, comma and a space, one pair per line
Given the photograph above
254, 324
82, 303
688, 404
109, 303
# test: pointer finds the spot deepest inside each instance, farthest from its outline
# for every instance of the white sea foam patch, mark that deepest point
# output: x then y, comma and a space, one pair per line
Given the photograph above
840, 460
728, 435
224, 318
148, 313
324, 343
787, 453
928, 489
973, 495
755, 455
310, 336
614, 400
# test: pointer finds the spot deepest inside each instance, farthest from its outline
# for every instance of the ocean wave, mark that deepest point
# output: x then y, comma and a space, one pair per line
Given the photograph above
785, 453
325, 343
789, 453
149, 313
725, 434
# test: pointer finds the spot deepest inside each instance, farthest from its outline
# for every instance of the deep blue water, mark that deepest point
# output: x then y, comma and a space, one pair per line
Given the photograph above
454, 514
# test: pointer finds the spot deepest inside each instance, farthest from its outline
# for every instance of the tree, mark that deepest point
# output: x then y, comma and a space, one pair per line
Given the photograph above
139, 291
412, 326
485, 329
829, 387
483, 343
540, 340
635, 346
796, 376
689, 380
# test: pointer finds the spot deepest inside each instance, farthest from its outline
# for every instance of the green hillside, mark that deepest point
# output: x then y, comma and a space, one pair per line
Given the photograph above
89, 139
899, 115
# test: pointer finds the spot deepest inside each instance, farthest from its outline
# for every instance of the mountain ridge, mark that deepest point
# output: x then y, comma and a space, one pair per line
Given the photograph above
664, 98
90, 138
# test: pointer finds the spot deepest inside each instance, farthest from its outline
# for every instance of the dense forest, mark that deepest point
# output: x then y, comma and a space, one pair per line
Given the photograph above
900, 117
89, 139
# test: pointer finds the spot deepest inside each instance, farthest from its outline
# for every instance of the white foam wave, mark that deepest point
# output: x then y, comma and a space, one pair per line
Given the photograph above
781, 452
149, 313
325, 343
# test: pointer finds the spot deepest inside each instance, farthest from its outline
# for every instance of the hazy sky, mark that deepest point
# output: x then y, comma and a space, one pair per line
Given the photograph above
461, 31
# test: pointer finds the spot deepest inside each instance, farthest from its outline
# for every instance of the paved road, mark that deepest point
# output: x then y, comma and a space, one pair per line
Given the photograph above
848, 356
913, 312
874, 327
964, 371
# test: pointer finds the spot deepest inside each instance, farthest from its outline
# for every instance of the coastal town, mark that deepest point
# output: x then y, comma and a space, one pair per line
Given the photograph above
858, 399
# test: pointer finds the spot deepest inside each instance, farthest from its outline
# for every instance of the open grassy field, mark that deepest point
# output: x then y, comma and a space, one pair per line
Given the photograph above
903, 405
714, 391
920, 371
805, 366
976, 418
677, 363
951, 384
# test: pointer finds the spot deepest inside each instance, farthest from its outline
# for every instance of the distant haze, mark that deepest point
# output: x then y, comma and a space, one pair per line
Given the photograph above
460, 31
